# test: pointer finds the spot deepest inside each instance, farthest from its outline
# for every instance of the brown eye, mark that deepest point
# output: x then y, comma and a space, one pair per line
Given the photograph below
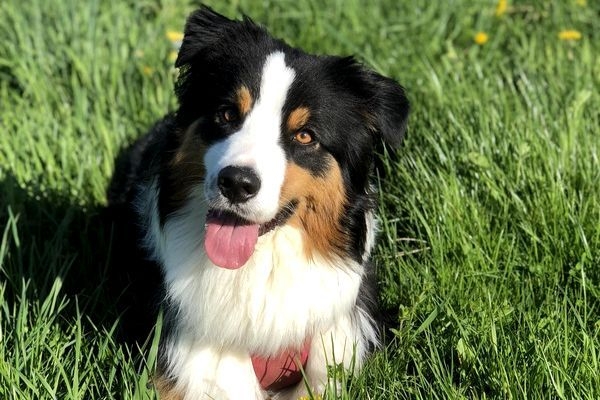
303, 137
227, 115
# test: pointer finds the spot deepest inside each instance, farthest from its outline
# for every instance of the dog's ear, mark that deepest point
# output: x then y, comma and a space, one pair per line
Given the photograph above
388, 109
384, 103
203, 28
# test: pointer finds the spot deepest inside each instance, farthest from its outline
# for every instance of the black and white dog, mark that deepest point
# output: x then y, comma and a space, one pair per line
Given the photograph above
254, 199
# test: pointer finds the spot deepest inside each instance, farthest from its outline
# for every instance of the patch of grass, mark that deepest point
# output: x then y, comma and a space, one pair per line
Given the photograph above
489, 255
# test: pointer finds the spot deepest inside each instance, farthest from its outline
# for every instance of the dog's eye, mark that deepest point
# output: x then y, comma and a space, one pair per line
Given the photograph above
304, 137
227, 115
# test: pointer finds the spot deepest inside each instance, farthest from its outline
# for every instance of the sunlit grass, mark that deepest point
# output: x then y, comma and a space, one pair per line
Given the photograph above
489, 255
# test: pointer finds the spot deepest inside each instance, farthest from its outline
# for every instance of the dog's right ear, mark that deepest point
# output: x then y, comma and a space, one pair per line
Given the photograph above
203, 28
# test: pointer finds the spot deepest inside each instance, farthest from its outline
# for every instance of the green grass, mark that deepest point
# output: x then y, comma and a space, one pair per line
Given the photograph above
490, 246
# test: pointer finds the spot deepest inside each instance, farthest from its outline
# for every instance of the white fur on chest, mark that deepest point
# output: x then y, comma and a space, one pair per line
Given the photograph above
277, 300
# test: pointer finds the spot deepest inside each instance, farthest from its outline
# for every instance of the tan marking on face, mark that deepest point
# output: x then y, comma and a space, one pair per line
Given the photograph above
298, 118
244, 100
320, 208
186, 169
188, 141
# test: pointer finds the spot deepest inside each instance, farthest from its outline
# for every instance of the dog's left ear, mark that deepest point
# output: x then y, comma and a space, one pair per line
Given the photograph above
389, 109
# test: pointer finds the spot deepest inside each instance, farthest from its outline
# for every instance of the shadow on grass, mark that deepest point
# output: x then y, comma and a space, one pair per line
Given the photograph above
90, 250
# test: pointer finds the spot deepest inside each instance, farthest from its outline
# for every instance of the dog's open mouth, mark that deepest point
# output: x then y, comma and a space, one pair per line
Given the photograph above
230, 239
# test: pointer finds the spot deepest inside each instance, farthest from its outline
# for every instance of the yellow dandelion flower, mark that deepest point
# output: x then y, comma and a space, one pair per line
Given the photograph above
174, 36
172, 57
146, 70
481, 38
581, 3
501, 7
569, 34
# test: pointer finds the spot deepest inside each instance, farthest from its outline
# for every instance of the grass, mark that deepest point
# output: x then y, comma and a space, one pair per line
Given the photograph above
489, 253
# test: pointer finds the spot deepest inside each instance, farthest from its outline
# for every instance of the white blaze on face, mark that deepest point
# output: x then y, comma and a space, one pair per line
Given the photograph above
256, 144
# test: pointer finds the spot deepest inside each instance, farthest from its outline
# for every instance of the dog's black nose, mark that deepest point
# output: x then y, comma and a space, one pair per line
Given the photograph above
238, 184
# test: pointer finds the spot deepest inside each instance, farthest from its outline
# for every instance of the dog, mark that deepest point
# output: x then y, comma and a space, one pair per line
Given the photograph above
254, 198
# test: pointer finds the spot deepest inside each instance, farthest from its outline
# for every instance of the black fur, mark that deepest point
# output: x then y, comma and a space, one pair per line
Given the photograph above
135, 281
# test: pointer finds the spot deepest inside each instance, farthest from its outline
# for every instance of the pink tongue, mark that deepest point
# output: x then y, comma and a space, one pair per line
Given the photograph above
229, 242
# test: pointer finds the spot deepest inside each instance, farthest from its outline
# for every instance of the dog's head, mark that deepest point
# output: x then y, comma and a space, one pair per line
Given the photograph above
283, 137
